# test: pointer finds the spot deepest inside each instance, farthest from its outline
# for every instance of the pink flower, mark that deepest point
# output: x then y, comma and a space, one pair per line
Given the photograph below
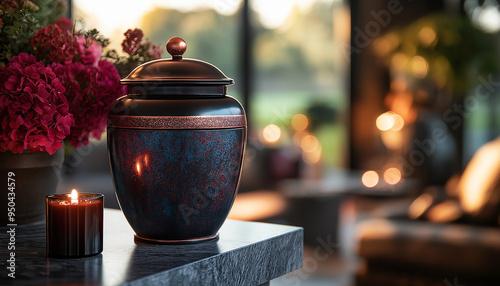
132, 40
90, 91
33, 110
90, 50
155, 51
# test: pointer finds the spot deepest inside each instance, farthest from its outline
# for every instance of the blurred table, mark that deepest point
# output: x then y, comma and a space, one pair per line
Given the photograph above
246, 253
315, 204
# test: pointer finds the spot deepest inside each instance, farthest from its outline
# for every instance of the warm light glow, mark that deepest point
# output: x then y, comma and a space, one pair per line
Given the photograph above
370, 179
389, 121
401, 103
138, 167
399, 61
382, 47
379, 229
146, 160
309, 143
298, 136
74, 196
446, 211
342, 24
271, 133
386, 44
392, 139
274, 14
419, 67
300, 122
399, 122
426, 36
385, 121
257, 205
392, 176
479, 179
420, 205
312, 157
129, 13
399, 84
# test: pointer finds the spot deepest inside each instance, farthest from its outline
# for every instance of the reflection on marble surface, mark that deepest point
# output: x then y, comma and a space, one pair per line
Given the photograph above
246, 253
87, 271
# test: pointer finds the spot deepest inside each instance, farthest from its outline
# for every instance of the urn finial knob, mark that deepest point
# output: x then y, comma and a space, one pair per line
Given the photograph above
176, 46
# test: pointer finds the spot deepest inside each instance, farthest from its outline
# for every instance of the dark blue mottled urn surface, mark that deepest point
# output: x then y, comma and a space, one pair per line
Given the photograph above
176, 144
176, 177
176, 184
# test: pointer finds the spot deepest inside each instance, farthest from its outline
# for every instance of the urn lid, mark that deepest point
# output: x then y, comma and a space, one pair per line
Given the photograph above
177, 71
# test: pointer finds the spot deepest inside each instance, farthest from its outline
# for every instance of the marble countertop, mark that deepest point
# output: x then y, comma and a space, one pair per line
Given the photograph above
246, 253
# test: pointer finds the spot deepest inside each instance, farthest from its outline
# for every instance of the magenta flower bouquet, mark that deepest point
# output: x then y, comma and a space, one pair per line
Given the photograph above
57, 83
34, 111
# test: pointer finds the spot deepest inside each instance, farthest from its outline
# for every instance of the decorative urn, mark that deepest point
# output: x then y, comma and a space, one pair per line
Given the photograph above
176, 144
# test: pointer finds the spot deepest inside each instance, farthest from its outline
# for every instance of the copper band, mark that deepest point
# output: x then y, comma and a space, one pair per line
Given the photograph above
177, 122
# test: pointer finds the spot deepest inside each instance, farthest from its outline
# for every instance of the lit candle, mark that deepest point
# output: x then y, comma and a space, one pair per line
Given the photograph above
74, 197
74, 224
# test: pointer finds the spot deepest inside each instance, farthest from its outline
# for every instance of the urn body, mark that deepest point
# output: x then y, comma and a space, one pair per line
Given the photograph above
176, 144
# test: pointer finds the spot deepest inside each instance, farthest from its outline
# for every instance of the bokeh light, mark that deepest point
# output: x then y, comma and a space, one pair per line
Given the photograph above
392, 176
399, 122
312, 157
300, 122
271, 133
445, 212
419, 67
427, 36
309, 143
390, 121
370, 179
385, 121
399, 61
298, 136
420, 205
484, 14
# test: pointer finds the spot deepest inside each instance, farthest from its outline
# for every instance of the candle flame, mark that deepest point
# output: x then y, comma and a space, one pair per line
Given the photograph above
74, 196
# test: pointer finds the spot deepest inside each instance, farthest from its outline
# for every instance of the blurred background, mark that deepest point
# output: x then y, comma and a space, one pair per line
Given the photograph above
372, 124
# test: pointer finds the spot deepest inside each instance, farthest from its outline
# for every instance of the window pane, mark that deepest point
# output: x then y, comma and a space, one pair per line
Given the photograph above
300, 69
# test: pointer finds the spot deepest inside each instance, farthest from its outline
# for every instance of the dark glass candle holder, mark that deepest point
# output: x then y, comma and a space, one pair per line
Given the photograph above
74, 227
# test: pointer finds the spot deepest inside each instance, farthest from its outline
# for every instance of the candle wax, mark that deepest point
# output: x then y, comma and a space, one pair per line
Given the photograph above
74, 229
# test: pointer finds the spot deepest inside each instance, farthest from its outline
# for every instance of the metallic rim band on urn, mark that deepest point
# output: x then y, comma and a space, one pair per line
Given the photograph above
177, 122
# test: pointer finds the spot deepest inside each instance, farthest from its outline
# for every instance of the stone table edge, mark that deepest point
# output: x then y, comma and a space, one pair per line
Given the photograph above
181, 276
